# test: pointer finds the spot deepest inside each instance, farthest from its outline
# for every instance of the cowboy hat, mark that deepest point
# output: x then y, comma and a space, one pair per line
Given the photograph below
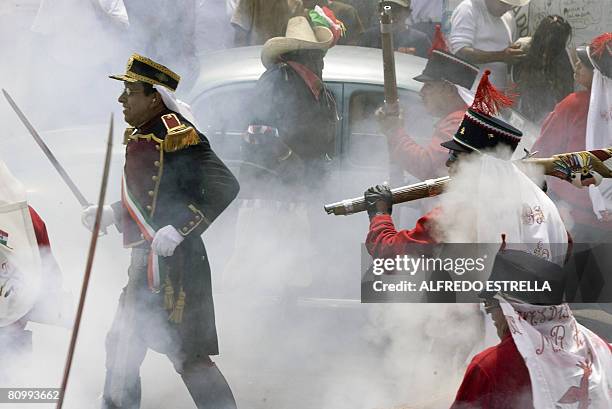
299, 36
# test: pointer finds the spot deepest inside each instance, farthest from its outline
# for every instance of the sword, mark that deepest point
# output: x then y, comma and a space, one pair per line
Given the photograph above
62, 172
92, 250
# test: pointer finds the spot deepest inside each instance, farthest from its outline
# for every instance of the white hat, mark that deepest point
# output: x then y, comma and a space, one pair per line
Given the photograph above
299, 36
516, 3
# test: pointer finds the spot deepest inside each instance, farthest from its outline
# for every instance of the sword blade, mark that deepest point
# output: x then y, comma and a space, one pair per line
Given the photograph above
90, 257
62, 172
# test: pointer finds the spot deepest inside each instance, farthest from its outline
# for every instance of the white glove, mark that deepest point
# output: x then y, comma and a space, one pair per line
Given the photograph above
88, 217
165, 241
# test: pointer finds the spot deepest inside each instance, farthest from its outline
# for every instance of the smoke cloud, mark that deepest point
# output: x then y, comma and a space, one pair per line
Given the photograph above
291, 329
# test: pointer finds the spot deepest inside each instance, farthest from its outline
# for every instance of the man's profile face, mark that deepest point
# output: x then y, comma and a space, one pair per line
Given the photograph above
497, 8
434, 95
583, 75
453, 161
137, 107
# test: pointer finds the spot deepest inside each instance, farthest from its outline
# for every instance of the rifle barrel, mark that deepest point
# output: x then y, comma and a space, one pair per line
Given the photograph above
428, 188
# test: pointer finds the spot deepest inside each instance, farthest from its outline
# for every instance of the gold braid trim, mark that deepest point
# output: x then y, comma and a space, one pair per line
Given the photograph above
180, 139
168, 295
127, 133
177, 313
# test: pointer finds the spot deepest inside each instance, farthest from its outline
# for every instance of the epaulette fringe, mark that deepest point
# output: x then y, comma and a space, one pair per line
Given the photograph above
181, 139
126, 134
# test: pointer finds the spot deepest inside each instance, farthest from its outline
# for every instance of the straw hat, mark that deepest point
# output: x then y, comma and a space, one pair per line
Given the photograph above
299, 36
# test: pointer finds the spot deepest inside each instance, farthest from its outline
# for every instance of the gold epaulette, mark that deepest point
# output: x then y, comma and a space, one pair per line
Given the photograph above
178, 136
127, 133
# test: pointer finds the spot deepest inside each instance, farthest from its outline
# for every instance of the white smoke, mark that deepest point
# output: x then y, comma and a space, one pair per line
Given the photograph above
301, 340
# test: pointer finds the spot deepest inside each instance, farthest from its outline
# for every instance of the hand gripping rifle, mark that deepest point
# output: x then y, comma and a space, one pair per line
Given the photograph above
579, 168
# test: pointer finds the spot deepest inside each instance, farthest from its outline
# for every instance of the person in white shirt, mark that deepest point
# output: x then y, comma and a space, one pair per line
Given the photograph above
425, 15
482, 32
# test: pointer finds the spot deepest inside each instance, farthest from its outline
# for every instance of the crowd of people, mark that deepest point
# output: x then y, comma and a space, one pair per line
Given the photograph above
483, 32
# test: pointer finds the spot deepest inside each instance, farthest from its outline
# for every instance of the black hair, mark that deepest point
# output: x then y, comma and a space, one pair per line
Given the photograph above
546, 76
549, 40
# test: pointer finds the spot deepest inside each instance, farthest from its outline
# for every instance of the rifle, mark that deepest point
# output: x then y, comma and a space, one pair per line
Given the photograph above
578, 168
388, 52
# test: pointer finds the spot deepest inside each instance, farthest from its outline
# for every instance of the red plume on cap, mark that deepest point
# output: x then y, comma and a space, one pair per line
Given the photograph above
601, 43
439, 43
488, 99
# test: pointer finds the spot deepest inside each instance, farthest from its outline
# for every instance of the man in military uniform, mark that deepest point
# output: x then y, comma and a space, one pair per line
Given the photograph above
173, 187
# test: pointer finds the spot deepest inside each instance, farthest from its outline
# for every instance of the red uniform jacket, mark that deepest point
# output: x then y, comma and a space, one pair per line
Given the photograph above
497, 378
429, 161
383, 241
564, 130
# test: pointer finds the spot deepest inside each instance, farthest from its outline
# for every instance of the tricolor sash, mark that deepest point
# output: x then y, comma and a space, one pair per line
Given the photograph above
147, 229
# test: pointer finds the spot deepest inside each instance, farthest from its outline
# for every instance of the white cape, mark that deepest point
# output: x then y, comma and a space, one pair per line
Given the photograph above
569, 366
20, 265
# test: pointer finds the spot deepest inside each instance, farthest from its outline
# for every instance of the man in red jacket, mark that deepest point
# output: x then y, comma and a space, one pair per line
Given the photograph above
478, 132
542, 348
442, 76
564, 130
